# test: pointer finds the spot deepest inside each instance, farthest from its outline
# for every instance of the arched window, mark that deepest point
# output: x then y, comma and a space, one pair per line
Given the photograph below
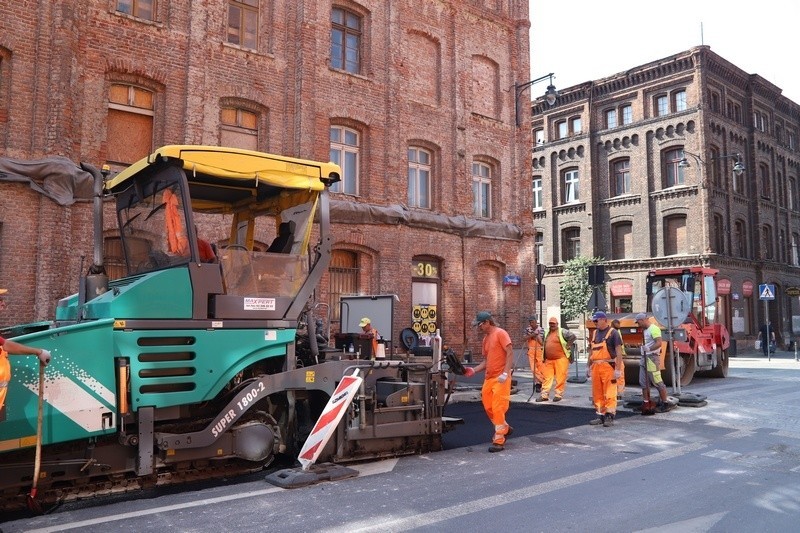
481, 190
344, 274
622, 240
420, 164
130, 123
346, 30
345, 153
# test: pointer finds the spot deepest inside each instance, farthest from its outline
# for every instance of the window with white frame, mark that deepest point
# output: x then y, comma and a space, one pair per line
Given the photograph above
481, 190
673, 172
679, 98
796, 249
791, 193
419, 178
662, 105
538, 136
575, 125
562, 128
622, 177
627, 114
538, 199
571, 186
345, 153
611, 118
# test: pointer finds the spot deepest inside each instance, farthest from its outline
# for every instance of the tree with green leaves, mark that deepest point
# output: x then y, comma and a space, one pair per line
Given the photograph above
575, 289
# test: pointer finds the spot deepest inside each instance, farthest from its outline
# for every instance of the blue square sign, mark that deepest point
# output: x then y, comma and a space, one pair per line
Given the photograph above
766, 291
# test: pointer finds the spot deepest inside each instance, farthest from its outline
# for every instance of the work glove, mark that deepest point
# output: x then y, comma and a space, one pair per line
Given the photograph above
469, 371
44, 357
502, 378
617, 374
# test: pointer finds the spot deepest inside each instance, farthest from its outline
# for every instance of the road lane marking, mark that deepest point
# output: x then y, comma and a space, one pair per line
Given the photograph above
365, 469
412, 521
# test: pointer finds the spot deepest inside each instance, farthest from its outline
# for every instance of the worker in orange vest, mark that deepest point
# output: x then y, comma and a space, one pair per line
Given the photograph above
9, 347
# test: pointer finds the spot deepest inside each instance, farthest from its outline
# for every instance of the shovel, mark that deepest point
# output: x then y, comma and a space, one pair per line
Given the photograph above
33, 504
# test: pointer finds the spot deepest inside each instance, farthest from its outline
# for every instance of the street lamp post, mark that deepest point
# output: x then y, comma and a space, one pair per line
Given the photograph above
550, 95
738, 168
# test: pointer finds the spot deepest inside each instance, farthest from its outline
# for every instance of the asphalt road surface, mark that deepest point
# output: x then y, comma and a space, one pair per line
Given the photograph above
733, 465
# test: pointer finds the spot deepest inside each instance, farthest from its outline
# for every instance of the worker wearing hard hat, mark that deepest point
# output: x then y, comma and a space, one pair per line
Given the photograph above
557, 350
649, 371
498, 357
369, 331
604, 359
9, 347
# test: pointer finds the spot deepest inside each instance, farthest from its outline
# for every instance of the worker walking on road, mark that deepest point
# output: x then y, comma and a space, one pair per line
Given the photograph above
9, 347
534, 335
557, 350
498, 358
606, 354
649, 371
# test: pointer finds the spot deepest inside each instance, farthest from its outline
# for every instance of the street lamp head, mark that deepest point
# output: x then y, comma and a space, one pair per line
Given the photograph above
684, 163
550, 95
738, 168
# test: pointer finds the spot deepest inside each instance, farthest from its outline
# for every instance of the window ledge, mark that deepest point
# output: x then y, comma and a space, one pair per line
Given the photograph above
348, 73
575, 207
137, 19
243, 49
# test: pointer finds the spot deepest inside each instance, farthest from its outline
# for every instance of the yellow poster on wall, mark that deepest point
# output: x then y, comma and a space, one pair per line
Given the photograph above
423, 319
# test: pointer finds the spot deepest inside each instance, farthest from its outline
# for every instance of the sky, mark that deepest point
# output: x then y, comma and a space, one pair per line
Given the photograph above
583, 40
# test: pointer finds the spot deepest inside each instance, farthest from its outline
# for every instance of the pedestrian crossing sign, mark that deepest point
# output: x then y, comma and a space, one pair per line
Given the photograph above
766, 291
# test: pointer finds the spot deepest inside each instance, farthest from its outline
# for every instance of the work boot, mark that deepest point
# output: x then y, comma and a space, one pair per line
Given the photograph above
509, 432
557, 399
494, 448
600, 420
609, 421
542, 399
537, 387
664, 407
648, 408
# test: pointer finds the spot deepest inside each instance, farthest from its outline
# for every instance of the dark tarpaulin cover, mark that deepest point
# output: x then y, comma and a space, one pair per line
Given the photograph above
57, 177
344, 211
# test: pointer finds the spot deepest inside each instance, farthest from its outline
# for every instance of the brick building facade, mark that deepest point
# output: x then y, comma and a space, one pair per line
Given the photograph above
638, 169
415, 100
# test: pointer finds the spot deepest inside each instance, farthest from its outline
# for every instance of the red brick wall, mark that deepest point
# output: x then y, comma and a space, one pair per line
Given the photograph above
416, 87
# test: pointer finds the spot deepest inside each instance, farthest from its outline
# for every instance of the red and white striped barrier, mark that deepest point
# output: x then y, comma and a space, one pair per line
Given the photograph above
329, 419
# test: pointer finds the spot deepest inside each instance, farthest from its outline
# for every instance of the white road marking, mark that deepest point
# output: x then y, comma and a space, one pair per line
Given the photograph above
365, 469
405, 523
701, 524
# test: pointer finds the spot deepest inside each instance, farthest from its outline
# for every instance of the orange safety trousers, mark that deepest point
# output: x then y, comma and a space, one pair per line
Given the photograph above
5, 376
604, 390
535, 360
555, 370
496, 397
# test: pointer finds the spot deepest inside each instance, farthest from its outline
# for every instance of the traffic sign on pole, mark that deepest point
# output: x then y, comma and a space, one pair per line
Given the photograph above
766, 291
